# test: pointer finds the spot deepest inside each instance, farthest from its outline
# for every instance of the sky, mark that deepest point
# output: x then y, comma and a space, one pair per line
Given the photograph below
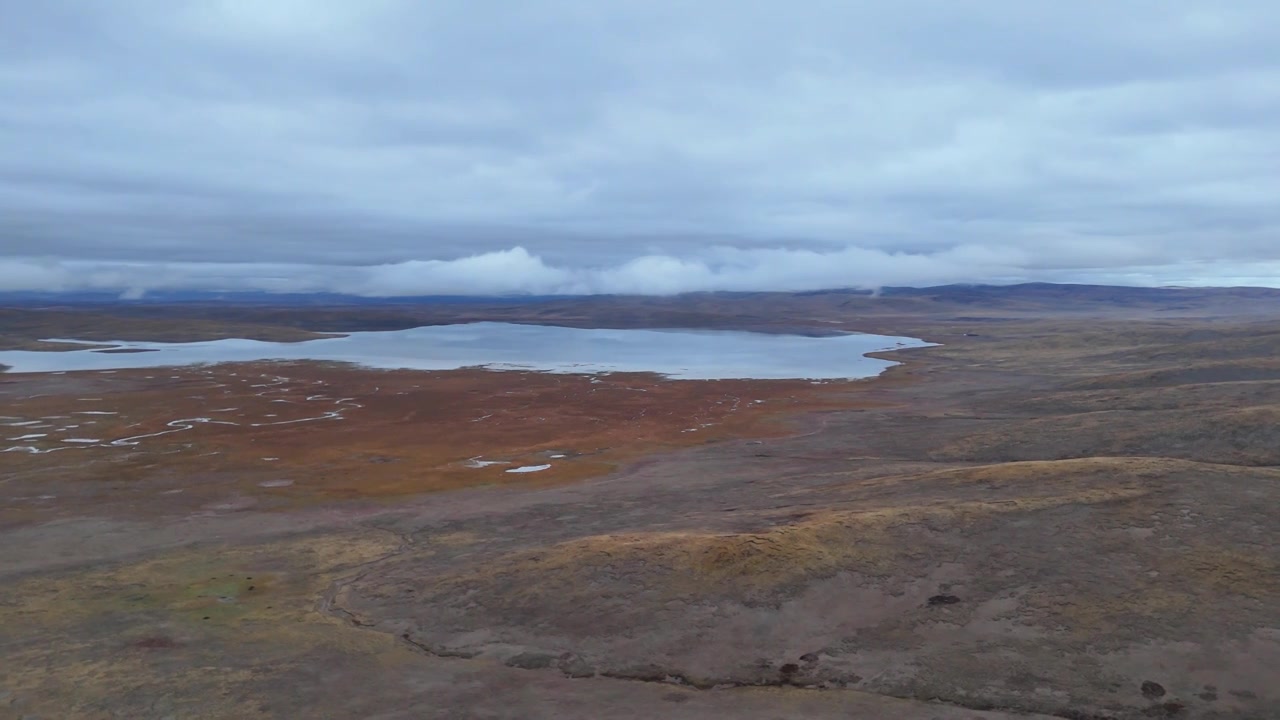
401, 147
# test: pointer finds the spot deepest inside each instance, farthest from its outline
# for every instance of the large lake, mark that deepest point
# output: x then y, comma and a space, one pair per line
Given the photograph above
679, 354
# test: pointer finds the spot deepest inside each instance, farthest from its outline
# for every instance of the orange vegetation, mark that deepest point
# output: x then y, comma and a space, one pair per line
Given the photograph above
288, 433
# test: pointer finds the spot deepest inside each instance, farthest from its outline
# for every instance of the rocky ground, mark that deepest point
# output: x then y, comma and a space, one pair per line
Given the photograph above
1048, 516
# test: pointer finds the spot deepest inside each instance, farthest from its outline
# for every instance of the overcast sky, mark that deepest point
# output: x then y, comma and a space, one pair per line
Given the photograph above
389, 147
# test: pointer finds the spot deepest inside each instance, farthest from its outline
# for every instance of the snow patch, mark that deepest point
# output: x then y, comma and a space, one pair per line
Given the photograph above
529, 468
476, 462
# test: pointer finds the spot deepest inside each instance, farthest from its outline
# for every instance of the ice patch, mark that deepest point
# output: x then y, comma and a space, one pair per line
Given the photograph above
476, 462
34, 450
174, 425
30, 437
529, 468
88, 441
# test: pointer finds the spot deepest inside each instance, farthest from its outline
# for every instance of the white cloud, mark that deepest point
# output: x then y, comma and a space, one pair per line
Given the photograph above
518, 272
505, 272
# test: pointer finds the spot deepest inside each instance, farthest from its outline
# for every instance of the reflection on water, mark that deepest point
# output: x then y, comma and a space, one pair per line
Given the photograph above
679, 354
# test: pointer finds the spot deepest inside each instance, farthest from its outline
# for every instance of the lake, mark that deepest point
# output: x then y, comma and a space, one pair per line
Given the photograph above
677, 354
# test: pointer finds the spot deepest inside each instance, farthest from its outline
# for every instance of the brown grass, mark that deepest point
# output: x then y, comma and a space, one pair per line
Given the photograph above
413, 432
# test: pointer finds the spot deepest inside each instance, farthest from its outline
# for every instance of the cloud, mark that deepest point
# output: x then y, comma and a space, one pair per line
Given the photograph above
516, 272
505, 272
647, 145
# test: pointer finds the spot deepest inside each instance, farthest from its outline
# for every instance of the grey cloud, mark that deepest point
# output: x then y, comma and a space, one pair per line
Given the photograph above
927, 140
517, 271
719, 268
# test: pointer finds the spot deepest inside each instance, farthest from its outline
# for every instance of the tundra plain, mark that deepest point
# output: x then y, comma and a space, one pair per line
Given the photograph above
1066, 509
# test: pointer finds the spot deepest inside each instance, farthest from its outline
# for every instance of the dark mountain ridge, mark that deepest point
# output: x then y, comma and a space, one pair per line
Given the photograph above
960, 293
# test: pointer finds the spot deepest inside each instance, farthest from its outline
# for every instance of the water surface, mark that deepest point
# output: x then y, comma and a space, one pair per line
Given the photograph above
679, 354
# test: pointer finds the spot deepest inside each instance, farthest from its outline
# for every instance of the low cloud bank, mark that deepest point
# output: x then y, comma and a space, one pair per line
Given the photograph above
516, 271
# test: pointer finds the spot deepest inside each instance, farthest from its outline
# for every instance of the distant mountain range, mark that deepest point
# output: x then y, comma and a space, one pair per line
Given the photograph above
1115, 294
956, 293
